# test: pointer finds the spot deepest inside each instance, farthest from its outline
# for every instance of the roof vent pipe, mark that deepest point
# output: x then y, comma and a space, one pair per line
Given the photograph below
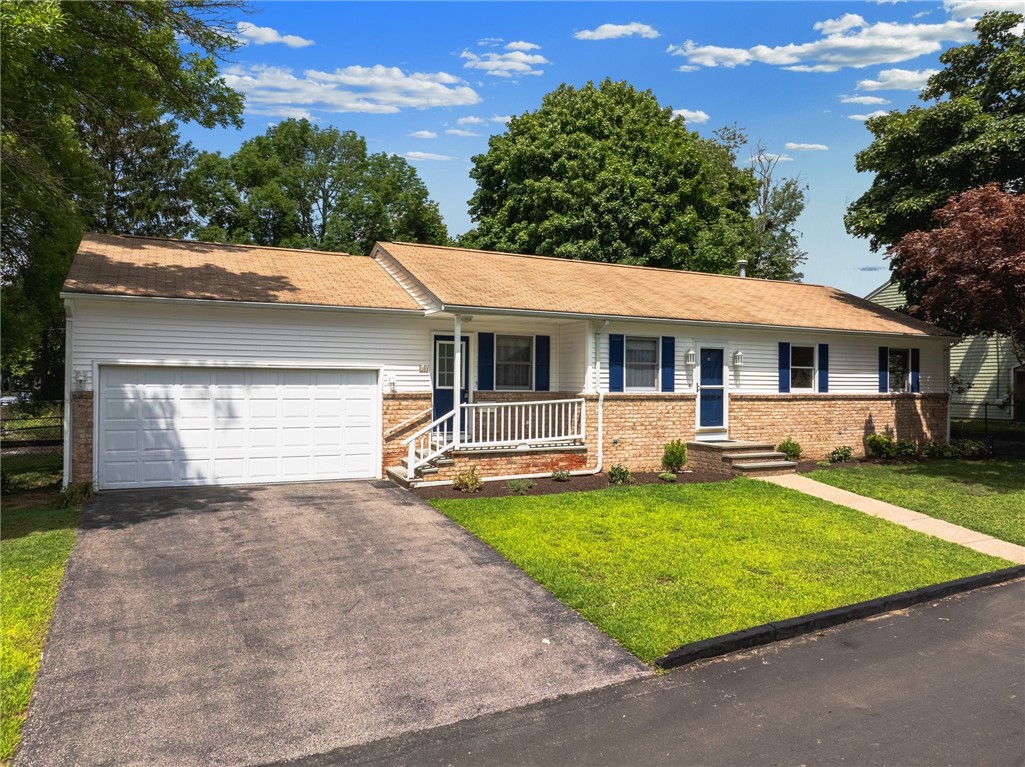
742, 267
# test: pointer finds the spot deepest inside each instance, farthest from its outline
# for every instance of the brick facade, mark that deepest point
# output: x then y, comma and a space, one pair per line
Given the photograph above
821, 422
396, 409
82, 436
637, 427
501, 463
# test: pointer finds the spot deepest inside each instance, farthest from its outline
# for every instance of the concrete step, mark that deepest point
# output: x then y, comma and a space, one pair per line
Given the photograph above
765, 467
767, 455
397, 475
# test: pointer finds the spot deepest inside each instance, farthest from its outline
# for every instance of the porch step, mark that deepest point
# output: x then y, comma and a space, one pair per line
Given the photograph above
398, 475
764, 468
739, 458
767, 455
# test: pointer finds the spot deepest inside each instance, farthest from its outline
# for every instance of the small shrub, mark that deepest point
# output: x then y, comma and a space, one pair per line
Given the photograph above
823, 464
468, 481
841, 454
970, 449
73, 495
6, 483
667, 476
674, 455
880, 446
938, 450
790, 449
560, 475
620, 475
520, 486
905, 448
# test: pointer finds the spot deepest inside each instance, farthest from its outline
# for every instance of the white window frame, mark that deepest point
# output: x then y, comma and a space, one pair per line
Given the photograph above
533, 362
658, 364
814, 368
906, 384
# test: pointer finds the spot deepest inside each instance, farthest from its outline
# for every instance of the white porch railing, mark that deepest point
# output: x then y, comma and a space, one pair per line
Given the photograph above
493, 425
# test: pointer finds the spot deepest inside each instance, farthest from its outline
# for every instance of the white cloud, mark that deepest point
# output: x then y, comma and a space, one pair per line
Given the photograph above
423, 134
377, 89
897, 80
521, 45
692, 116
502, 119
489, 42
250, 33
921, 14
688, 68
295, 113
866, 100
774, 157
426, 156
615, 31
805, 147
848, 41
862, 118
967, 9
511, 64
471, 120
460, 132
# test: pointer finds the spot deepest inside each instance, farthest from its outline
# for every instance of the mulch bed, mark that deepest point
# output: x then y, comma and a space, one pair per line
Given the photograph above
548, 486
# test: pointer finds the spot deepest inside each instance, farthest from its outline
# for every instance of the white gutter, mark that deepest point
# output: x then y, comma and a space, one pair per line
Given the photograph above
244, 304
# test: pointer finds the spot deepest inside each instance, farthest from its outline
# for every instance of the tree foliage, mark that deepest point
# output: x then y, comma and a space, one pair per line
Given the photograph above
973, 135
604, 173
299, 185
65, 68
968, 273
778, 202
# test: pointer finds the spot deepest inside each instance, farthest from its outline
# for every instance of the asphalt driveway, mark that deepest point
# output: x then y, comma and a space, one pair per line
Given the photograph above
250, 625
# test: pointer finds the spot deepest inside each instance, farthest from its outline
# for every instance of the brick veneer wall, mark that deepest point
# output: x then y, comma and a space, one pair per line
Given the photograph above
637, 427
508, 462
397, 408
82, 436
821, 422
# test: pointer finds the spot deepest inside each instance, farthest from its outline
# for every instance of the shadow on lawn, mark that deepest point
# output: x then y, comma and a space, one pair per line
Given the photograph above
1001, 475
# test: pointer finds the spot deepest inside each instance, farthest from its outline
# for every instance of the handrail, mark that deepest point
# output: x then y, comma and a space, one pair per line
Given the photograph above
428, 427
407, 422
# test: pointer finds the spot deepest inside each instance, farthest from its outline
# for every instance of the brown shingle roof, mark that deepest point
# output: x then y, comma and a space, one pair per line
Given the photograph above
484, 279
145, 266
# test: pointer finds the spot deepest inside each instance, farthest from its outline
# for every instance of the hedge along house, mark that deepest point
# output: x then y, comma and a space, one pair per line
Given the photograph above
194, 363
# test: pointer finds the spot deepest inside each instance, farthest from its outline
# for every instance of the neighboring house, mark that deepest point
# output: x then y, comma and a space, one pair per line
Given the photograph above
196, 363
988, 363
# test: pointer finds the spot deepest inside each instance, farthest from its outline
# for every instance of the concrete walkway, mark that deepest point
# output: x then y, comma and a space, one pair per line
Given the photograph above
913, 520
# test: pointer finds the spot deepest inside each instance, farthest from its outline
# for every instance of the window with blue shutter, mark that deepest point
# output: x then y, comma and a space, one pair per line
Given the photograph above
884, 369
916, 384
823, 367
616, 344
668, 363
485, 361
784, 367
542, 362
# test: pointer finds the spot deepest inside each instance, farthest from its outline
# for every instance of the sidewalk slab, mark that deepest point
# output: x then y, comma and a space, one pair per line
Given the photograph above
913, 520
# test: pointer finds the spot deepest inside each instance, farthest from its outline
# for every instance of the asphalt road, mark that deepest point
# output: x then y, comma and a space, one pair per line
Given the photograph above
938, 684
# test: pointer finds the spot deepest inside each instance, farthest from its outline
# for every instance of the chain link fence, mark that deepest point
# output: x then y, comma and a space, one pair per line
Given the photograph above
1005, 437
31, 445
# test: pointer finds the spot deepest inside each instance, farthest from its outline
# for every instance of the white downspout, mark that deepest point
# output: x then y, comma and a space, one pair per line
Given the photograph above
601, 399
68, 373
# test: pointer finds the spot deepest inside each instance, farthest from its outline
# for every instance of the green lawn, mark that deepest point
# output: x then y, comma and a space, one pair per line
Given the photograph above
35, 543
658, 566
987, 496
32, 470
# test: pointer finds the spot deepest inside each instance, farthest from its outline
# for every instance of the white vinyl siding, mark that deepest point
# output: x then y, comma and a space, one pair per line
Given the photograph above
573, 363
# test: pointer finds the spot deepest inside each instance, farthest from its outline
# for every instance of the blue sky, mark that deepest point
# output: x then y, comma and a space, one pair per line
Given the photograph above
432, 81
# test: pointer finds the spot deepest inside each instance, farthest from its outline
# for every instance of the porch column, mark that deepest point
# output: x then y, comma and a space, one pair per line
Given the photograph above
457, 384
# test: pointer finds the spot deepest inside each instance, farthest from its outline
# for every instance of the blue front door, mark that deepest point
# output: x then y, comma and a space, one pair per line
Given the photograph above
444, 369
711, 389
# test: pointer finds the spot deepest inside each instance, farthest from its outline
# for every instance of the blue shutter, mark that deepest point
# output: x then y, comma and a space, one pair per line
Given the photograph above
884, 369
616, 351
542, 362
823, 367
668, 363
916, 384
784, 367
485, 361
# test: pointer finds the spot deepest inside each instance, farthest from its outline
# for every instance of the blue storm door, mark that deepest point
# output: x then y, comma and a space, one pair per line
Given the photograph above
444, 369
711, 389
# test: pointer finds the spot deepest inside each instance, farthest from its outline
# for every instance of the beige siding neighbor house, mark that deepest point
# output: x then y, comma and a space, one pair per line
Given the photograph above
988, 363
194, 363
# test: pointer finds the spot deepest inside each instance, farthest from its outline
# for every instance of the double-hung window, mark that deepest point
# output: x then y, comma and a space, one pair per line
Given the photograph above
641, 364
514, 362
898, 368
802, 368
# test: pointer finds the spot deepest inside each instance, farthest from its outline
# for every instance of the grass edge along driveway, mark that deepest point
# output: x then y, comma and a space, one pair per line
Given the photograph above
36, 542
658, 566
987, 496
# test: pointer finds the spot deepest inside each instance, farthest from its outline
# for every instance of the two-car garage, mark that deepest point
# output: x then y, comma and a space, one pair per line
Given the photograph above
166, 426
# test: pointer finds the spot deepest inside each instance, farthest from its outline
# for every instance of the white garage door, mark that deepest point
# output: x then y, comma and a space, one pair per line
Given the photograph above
164, 426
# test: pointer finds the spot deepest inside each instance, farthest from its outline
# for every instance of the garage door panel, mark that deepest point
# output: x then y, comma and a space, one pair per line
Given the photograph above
162, 426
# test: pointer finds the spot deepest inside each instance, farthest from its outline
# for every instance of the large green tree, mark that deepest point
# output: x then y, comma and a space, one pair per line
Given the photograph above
973, 135
604, 173
65, 67
299, 185
778, 203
